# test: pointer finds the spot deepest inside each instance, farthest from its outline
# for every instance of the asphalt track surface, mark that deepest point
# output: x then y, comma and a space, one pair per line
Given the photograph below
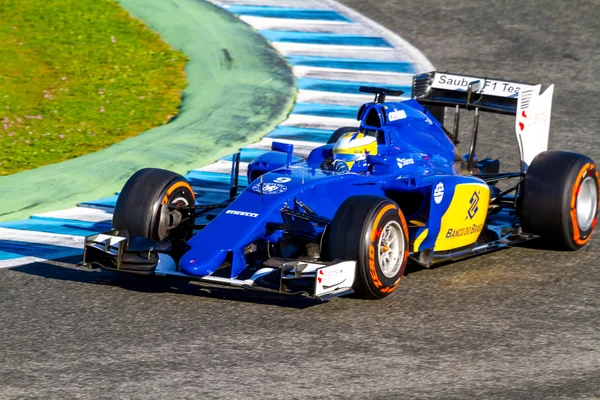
520, 323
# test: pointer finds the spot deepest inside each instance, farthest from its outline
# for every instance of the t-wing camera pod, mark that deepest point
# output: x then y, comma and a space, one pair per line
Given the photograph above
380, 93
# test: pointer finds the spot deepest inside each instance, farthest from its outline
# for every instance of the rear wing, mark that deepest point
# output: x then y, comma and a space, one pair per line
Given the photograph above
443, 89
523, 100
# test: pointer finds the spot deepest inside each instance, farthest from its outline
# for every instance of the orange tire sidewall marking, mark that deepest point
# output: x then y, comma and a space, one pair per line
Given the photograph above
378, 218
583, 172
372, 269
176, 186
375, 233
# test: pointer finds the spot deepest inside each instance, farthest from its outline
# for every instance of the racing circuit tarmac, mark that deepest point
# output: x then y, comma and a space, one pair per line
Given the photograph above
520, 323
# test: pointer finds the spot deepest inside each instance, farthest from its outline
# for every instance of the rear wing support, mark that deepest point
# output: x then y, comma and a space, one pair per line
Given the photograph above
470, 163
523, 100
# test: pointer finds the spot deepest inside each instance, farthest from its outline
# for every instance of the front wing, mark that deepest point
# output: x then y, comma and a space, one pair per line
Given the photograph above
117, 251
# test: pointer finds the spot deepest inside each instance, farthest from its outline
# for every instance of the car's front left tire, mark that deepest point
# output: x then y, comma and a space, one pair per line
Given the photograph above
139, 204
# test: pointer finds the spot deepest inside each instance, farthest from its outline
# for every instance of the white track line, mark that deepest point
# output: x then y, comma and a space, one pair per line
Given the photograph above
340, 99
304, 25
382, 78
80, 214
17, 262
306, 4
96, 207
54, 239
314, 122
341, 51
224, 167
409, 52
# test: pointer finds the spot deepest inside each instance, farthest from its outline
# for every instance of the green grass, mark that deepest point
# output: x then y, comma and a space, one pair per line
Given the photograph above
77, 76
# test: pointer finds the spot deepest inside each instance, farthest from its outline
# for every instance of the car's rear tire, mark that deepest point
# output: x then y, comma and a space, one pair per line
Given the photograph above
138, 205
338, 133
559, 199
372, 231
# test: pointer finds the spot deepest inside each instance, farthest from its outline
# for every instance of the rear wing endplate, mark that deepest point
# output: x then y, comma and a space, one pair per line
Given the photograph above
523, 100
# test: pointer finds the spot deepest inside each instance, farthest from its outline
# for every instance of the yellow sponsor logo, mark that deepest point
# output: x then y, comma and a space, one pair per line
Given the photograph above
464, 219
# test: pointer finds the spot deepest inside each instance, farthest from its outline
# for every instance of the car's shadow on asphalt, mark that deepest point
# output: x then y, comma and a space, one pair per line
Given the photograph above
533, 244
67, 270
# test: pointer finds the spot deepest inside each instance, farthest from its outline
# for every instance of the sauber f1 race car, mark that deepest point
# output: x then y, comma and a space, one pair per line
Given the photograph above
350, 216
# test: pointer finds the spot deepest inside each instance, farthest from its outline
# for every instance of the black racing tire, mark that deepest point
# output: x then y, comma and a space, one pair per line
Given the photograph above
139, 202
358, 232
559, 199
339, 132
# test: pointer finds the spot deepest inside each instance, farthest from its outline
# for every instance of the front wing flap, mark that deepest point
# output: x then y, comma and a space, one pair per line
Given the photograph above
116, 250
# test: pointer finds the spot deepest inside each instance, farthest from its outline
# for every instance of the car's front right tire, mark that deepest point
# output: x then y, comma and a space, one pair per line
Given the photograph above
372, 231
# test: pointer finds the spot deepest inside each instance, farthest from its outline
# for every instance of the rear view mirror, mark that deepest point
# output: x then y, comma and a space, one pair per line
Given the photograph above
284, 148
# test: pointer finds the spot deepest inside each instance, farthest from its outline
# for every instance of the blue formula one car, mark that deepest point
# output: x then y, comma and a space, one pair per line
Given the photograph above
350, 216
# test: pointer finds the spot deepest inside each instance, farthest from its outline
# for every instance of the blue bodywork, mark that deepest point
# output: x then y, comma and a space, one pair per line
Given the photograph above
415, 155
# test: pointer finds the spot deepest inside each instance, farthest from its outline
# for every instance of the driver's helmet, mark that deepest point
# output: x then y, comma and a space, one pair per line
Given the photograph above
352, 147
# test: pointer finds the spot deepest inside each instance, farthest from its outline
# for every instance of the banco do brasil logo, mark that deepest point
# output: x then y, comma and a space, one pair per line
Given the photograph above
473, 208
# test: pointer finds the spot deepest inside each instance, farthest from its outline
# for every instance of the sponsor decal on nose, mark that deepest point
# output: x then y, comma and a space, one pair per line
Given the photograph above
241, 213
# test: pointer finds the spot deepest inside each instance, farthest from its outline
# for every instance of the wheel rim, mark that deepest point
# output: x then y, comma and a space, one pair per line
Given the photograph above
587, 203
177, 198
180, 201
391, 248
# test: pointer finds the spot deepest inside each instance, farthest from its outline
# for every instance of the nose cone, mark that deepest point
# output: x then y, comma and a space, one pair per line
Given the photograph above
198, 262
